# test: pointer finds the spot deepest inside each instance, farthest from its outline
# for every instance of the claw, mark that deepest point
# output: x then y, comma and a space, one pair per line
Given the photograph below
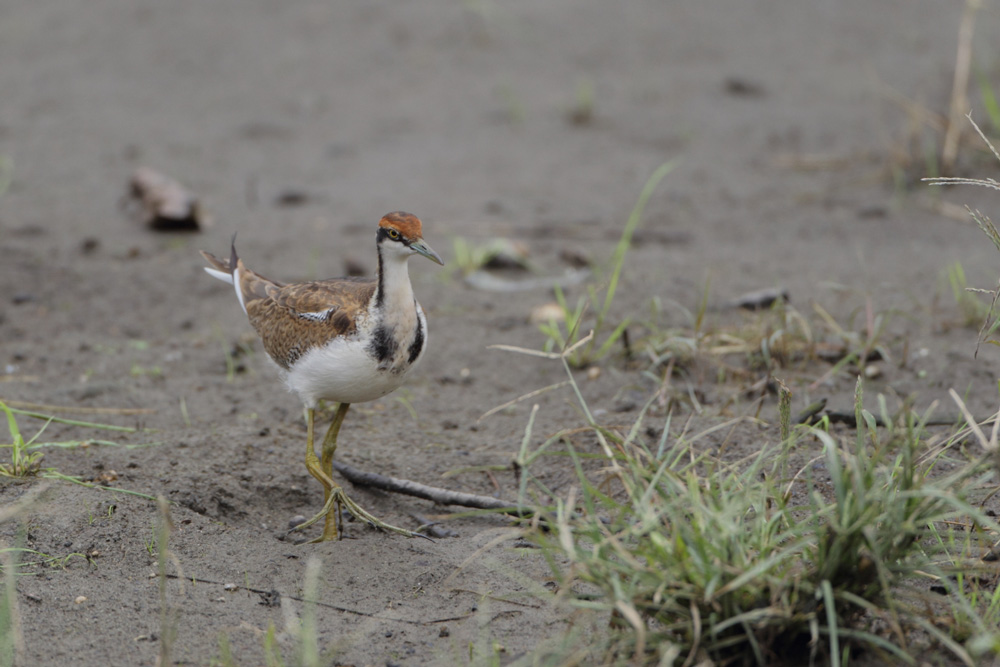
339, 498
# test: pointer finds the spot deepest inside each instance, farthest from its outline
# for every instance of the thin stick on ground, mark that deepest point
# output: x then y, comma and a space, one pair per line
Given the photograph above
268, 598
438, 495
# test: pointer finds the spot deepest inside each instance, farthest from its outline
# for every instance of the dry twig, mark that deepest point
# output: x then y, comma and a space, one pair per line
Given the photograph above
438, 495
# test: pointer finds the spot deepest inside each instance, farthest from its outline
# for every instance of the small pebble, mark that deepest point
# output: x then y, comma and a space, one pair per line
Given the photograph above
107, 477
575, 257
292, 197
759, 299
593, 372
444, 631
547, 312
295, 521
872, 371
80, 599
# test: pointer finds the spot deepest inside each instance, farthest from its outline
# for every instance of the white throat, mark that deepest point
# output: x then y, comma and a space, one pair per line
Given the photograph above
397, 292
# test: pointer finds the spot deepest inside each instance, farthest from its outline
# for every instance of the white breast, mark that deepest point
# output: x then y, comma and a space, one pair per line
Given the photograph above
341, 371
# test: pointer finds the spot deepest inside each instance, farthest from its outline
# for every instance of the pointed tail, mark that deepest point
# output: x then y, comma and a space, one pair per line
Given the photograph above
226, 271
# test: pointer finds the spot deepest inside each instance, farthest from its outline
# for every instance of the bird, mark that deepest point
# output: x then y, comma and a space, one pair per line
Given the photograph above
345, 340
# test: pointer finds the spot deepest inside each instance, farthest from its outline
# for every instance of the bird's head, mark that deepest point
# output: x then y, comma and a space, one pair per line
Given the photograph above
400, 235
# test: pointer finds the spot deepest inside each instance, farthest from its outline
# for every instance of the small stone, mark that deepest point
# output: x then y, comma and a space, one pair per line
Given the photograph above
107, 477
547, 312
760, 299
80, 599
292, 197
872, 371
444, 631
593, 372
739, 86
230, 587
506, 254
295, 521
575, 257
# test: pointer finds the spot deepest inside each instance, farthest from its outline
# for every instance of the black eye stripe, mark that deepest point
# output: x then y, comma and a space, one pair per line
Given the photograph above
391, 234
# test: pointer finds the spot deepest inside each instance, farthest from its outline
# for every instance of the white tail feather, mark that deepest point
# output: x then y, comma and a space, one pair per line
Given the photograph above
221, 275
228, 278
239, 292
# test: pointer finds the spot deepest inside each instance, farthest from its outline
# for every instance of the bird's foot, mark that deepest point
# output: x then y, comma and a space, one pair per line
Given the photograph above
335, 529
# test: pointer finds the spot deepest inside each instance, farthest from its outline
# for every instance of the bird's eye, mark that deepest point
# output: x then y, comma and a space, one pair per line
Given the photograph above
393, 234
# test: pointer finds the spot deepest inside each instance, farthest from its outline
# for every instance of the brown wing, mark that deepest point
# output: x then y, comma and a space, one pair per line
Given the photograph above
314, 297
292, 319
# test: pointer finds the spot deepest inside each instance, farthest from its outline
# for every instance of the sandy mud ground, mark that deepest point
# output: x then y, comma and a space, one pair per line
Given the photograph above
299, 124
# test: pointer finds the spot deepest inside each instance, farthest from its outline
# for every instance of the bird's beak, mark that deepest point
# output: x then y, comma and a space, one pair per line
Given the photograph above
421, 248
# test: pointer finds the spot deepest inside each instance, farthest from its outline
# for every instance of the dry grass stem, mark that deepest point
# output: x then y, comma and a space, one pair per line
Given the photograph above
960, 85
76, 410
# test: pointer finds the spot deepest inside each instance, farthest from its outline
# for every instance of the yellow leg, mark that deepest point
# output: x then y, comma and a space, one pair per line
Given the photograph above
312, 463
333, 493
322, 472
330, 441
330, 526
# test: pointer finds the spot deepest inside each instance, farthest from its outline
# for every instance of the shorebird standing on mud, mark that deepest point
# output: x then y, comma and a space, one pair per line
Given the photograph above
345, 340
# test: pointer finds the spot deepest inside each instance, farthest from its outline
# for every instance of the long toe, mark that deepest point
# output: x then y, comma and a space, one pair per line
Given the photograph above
371, 520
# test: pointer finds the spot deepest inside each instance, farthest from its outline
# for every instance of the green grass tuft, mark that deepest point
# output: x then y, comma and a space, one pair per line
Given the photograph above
695, 558
566, 334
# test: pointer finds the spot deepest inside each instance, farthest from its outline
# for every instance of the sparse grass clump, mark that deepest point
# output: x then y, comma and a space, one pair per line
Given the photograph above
576, 321
26, 455
972, 308
22, 461
750, 562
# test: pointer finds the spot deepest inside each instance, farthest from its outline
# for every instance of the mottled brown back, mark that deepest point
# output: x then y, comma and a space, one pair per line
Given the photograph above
280, 313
